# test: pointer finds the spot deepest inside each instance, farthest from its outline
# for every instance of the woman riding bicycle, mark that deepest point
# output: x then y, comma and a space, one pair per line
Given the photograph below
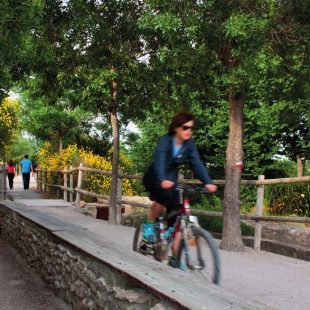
173, 150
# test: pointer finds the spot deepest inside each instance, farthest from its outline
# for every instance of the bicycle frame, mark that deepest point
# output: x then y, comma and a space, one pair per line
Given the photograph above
183, 223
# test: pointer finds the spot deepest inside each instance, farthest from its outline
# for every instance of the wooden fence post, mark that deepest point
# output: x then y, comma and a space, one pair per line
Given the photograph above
118, 198
45, 180
259, 212
71, 184
65, 185
58, 190
3, 183
37, 176
79, 186
41, 179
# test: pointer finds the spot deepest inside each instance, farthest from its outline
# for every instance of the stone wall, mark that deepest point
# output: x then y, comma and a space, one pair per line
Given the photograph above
80, 279
289, 234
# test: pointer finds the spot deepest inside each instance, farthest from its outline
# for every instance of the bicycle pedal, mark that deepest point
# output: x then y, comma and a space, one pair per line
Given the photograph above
145, 248
192, 242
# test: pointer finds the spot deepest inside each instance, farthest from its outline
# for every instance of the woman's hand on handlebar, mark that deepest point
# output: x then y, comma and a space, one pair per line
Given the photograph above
211, 188
166, 184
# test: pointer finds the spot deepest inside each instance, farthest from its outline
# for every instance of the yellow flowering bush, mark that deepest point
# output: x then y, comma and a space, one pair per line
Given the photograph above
72, 156
9, 109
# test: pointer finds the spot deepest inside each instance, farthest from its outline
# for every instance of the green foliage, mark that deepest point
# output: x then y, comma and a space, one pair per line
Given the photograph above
215, 224
200, 50
59, 124
24, 145
292, 199
16, 20
248, 198
134, 217
151, 129
208, 202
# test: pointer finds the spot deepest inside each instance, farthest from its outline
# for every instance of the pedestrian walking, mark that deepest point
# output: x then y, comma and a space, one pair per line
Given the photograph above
11, 172
26, 169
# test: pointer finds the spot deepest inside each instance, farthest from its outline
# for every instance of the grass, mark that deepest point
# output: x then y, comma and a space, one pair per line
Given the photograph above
215, 224
212, 224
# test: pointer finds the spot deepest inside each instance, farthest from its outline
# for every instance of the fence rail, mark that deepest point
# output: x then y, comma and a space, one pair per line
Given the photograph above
68, 177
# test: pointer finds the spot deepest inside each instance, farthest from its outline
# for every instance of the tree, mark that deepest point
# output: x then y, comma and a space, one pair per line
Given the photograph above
61, 125
23, 145
17, 19
234, 43
90, 54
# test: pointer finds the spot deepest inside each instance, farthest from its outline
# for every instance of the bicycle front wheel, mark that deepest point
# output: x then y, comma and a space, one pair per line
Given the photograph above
198, 251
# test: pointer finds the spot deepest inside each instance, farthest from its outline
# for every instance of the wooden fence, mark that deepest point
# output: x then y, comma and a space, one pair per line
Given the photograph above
69, 191
3, 183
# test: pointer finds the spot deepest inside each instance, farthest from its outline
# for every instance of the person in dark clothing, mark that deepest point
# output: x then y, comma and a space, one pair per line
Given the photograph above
11, 172
173, 150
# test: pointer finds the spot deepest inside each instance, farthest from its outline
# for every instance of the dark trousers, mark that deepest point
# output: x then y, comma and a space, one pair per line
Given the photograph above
11, 178
26, 180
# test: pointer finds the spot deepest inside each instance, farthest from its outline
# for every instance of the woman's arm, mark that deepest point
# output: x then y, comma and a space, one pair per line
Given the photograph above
159, 159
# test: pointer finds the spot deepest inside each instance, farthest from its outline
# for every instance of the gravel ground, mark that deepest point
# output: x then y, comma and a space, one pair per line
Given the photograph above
20, 287
277, 281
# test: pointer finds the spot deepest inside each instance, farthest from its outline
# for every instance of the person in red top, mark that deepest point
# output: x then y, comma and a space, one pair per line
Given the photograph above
11, 172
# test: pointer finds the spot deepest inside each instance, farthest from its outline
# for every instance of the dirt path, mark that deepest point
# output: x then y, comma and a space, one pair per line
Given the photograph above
20, 287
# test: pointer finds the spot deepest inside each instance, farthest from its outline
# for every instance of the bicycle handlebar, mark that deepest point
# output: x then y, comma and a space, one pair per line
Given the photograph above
192, 189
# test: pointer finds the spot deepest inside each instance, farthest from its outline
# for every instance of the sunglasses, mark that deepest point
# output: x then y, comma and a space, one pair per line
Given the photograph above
184, 127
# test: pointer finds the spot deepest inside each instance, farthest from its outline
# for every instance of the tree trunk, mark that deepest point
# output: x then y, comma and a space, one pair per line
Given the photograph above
60, 145
300, 166
232, 239
115, 160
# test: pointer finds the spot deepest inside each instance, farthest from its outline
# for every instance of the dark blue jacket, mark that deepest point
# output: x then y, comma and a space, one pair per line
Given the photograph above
164, 165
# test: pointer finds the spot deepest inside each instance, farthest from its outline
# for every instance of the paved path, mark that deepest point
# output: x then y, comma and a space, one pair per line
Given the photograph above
20, 287
18, 191
276, 281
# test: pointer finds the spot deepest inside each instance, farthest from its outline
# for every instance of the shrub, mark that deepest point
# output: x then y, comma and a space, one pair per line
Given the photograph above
134, 218
288, 199
72, 156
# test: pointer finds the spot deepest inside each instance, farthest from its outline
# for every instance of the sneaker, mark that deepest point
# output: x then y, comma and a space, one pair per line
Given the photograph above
148, 232
168, 233
173, 263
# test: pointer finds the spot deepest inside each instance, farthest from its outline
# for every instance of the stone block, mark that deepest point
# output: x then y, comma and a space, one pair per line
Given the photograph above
91, 275
138, 296
101, 282
161, 306
57, 284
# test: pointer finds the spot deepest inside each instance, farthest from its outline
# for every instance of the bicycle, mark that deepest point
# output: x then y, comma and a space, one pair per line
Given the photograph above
197, 250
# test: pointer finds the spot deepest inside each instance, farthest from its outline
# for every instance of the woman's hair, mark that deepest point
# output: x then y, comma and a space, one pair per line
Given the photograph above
11, 163
180, 119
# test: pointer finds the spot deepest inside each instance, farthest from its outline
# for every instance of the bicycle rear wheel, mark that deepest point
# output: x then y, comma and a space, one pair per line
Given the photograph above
200, 252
